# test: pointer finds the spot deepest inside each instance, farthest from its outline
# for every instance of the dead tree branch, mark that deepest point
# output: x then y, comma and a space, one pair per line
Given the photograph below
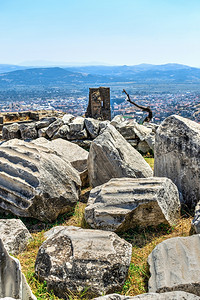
147, 109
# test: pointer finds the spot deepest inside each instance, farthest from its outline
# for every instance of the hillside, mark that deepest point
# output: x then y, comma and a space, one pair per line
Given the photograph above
46, 77
101, 75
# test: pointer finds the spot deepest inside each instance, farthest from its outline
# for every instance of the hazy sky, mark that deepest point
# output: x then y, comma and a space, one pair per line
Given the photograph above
103, 31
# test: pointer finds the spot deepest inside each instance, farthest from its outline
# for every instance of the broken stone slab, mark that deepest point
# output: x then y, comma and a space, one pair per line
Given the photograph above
126, 129
111, 156
118, 119
28, 131
145, 134
35, 181
143, 147
8, 298
14, 235
85, 144
150, 140
74, 259
45, 122
53, 127
124, 203
71, 152
76, 125
177, 156
67, 118
11, 131
12, 281
175, 265
176, 295
92, 126
142, 131
81, 135
62, 132
196, 220
42, 132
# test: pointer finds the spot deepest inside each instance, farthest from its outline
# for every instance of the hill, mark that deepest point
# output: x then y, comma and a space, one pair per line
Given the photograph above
99, 75
45, 77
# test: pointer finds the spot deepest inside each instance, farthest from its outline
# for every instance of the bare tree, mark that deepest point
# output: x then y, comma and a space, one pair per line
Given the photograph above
147, 109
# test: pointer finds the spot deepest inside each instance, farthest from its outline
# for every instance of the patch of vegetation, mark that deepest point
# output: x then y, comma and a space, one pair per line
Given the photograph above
150, 161
143, 241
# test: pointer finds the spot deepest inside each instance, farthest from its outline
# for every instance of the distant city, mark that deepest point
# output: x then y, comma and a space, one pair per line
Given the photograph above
186, 104
68, 90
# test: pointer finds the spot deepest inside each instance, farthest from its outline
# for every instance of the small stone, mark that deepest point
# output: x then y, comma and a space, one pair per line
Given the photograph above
14, 235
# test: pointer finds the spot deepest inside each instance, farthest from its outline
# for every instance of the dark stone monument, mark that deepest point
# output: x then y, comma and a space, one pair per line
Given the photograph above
99, 104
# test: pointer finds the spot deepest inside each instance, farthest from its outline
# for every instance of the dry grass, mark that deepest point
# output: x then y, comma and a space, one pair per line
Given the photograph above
143, 241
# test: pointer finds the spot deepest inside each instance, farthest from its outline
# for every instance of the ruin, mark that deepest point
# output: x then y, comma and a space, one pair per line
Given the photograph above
99, 103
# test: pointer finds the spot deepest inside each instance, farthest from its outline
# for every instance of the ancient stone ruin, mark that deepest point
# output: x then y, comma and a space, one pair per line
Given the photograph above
99, 104
43, 168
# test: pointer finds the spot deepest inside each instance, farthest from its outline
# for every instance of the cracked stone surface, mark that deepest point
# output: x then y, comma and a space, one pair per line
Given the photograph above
76, 259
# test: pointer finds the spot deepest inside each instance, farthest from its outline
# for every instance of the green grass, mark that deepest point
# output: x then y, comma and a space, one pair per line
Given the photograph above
150, 161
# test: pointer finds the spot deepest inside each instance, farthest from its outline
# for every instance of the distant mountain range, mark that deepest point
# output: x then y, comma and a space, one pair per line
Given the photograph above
11, 75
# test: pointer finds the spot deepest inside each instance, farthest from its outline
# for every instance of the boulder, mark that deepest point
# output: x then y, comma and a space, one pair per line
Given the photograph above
42, 132
74, 259
177, 156
11, 131
146, 134
175, 265
12, 281
45, 122
92, 127
125, 203
79, 135
177, 295
111, 156
14, 235
35, 181
28, 131
71, 152
53, 127
142, 131
103, 125
62, 132
118, 119
126, 129
76, 125
67, 118
143, 147
196, 220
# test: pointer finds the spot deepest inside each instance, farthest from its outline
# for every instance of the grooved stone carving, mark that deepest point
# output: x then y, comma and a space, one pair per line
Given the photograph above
35, 182
124, 203
175, 265
177, 156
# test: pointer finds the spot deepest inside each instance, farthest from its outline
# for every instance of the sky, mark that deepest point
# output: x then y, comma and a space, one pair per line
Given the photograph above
113, 32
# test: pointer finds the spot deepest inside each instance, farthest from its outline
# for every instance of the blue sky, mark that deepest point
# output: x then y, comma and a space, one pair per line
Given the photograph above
114, 32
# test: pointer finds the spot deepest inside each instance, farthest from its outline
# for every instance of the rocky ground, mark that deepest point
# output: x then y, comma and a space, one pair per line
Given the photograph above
100, 221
